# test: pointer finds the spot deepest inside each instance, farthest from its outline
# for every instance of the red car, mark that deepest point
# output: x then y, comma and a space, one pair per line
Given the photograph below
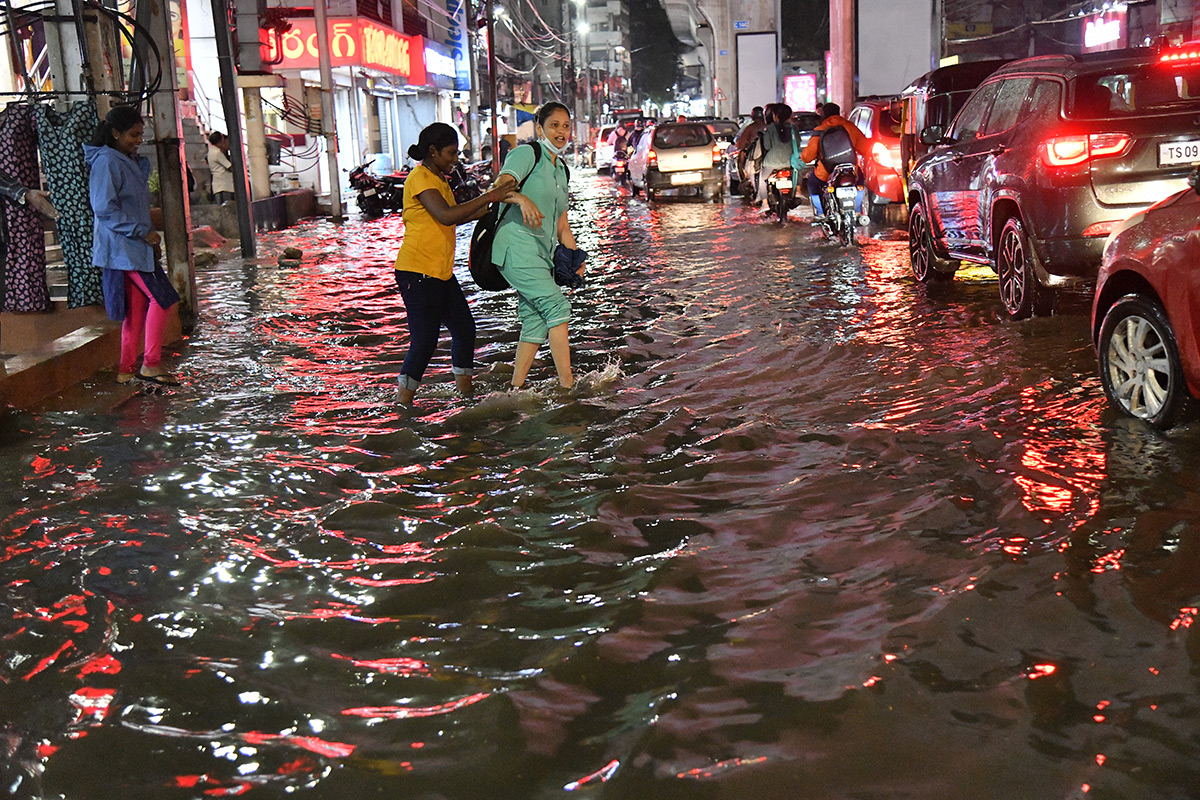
1146, 311
879, 120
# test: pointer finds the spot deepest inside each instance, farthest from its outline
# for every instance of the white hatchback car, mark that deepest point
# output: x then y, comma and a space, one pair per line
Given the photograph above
678, 155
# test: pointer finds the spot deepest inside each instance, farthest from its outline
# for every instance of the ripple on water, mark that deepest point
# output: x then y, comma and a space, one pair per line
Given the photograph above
795, 508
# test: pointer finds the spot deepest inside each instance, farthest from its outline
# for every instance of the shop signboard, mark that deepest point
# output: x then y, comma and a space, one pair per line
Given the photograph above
356, 42
440, 69
1105, 31
456, 41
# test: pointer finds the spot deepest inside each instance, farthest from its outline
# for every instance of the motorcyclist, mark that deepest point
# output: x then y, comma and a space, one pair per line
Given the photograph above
777, 145
748, 167
832, 117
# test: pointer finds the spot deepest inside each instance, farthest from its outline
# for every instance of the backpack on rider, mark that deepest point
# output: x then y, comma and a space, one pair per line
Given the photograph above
835, 148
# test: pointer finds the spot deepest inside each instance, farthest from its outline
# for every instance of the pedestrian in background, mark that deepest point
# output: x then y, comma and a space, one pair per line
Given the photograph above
524, 247
137, 292
221, 166
425, 263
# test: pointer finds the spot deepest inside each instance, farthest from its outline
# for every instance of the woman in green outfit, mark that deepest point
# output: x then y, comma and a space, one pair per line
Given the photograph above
524, 247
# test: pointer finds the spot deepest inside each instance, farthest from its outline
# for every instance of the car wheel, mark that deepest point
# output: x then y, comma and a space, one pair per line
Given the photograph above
1139, 362
1020, 292
927, 266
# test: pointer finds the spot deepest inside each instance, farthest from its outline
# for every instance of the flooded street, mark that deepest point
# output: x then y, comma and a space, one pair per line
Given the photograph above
800, 531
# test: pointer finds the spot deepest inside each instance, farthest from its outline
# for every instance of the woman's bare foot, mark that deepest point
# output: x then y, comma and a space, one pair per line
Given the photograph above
465, 385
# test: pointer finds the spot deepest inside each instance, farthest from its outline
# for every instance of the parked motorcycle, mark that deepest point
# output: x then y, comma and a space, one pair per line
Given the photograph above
838, 198
784, 191
377, 195
463, 183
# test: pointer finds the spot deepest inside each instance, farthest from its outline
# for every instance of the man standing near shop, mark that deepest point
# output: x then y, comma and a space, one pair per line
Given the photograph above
221, 166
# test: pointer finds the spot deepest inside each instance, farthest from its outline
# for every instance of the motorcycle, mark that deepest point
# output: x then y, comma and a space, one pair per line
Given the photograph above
784, 192
463, 183
620, 168
838, 198
377, 195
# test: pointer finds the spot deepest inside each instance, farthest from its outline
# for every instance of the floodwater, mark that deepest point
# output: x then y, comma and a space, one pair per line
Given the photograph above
801, 531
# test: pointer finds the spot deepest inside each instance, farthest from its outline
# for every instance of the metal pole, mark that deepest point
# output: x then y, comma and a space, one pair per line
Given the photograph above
491, 40
587, 68
229, 104
473, 90
328, 124
168, 145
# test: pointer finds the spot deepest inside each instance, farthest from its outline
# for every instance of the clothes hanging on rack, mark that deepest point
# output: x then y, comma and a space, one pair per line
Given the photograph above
60, 139
25, 267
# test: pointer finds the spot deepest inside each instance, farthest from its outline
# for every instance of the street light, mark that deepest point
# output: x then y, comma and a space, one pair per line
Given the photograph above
587, 66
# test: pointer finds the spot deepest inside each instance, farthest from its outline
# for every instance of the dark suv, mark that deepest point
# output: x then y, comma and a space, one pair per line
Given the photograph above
1045, 159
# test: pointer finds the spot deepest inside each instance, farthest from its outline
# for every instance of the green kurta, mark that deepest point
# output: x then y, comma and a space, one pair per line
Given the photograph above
519, 248
526, 255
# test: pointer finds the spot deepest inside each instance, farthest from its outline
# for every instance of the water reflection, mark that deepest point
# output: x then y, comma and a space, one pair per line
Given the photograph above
798, 511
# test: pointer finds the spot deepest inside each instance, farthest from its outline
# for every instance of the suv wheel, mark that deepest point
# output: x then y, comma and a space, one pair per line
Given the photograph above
927, 266
1139, 362
1019, 290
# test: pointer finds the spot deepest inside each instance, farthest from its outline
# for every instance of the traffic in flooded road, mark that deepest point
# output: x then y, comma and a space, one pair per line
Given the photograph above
802, 528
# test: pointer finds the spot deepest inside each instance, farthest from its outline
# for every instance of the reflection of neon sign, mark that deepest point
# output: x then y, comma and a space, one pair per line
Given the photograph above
352, 43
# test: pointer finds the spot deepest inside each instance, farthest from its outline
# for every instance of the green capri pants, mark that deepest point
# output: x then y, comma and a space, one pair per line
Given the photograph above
540, 301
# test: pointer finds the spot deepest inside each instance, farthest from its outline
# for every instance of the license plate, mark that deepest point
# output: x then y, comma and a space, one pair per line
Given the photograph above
369, 192
1179, 153
686, 177
845, 191
783, 185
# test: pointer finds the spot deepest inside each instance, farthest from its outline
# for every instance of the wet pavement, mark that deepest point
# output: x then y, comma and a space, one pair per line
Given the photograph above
801, 530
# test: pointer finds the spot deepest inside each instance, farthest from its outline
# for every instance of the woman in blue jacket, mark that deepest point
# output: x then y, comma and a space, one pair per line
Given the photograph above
137, 292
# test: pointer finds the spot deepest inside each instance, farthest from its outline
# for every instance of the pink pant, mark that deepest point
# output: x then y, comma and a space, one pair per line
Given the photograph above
143, 326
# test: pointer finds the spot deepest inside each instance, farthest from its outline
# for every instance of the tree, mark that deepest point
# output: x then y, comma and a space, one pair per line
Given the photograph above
655, 51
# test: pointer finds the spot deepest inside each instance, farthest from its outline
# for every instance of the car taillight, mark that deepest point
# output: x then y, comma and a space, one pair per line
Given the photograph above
1068, 151
652, 159
716, 153
1101, 228
882, 156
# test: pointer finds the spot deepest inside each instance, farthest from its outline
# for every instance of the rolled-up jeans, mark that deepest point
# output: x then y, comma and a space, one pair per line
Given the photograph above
430, 303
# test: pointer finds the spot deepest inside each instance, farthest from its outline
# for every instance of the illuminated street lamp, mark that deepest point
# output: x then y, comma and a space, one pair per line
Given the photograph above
587, 66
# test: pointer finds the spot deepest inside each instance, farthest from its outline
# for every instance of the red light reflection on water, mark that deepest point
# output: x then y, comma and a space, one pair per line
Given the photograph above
602, 775
410, 712
391, 666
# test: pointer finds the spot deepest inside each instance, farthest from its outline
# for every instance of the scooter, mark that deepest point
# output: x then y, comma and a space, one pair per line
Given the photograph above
463, 183
783, 192
839, 197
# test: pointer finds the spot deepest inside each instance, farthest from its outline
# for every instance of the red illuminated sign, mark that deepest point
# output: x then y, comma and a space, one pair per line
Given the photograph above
352, 43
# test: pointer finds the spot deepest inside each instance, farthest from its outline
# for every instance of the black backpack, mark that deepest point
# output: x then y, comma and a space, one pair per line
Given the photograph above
836, 147
484, 271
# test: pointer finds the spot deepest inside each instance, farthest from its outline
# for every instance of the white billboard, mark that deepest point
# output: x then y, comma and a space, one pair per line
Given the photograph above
757, 71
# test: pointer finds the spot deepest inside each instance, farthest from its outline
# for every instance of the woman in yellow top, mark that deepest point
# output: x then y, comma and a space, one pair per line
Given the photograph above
424, 266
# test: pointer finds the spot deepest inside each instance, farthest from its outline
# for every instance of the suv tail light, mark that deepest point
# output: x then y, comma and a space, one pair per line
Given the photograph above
717, 153
1068, 151
882, 156
652, 159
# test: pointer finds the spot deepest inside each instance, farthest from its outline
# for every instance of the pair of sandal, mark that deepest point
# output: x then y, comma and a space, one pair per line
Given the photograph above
165, 379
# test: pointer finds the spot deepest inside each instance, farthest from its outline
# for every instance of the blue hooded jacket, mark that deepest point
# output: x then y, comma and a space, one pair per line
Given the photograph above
120, 196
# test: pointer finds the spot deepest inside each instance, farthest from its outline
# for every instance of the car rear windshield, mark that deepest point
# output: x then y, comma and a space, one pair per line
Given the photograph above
806, 121
727, 130
1138, 90
682, 136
